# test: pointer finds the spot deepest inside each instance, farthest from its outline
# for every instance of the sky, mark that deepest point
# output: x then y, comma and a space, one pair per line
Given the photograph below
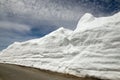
21, 20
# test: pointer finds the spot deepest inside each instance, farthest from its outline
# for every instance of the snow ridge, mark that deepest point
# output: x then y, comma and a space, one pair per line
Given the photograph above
93, 48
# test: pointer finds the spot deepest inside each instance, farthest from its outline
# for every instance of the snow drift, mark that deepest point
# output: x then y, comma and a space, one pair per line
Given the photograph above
93, 49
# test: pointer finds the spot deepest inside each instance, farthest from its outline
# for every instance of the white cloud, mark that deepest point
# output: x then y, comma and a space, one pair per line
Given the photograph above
40, 9
11, 26
36, 10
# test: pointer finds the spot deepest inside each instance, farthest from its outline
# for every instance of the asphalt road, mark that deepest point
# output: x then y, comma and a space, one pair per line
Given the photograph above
15, 72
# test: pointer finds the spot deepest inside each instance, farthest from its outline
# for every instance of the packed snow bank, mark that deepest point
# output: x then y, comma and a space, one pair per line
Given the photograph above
92, 49
88, 21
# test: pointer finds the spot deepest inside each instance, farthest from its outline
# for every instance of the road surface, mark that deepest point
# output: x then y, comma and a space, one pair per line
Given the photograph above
15, 72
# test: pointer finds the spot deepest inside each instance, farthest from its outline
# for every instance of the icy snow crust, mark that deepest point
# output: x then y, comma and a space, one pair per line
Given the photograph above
93, 48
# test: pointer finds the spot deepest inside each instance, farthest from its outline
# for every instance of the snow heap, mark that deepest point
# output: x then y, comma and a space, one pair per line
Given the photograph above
93, 48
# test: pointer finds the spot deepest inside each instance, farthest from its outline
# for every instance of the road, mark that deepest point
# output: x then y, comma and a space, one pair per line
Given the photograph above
15, 72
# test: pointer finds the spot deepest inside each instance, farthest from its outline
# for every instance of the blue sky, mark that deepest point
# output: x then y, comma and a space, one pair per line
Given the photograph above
22, 20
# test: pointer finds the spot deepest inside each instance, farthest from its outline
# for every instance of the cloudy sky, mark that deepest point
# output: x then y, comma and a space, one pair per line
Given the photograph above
22, 20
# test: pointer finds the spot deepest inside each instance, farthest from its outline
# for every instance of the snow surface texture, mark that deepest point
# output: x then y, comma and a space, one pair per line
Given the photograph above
93, 48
